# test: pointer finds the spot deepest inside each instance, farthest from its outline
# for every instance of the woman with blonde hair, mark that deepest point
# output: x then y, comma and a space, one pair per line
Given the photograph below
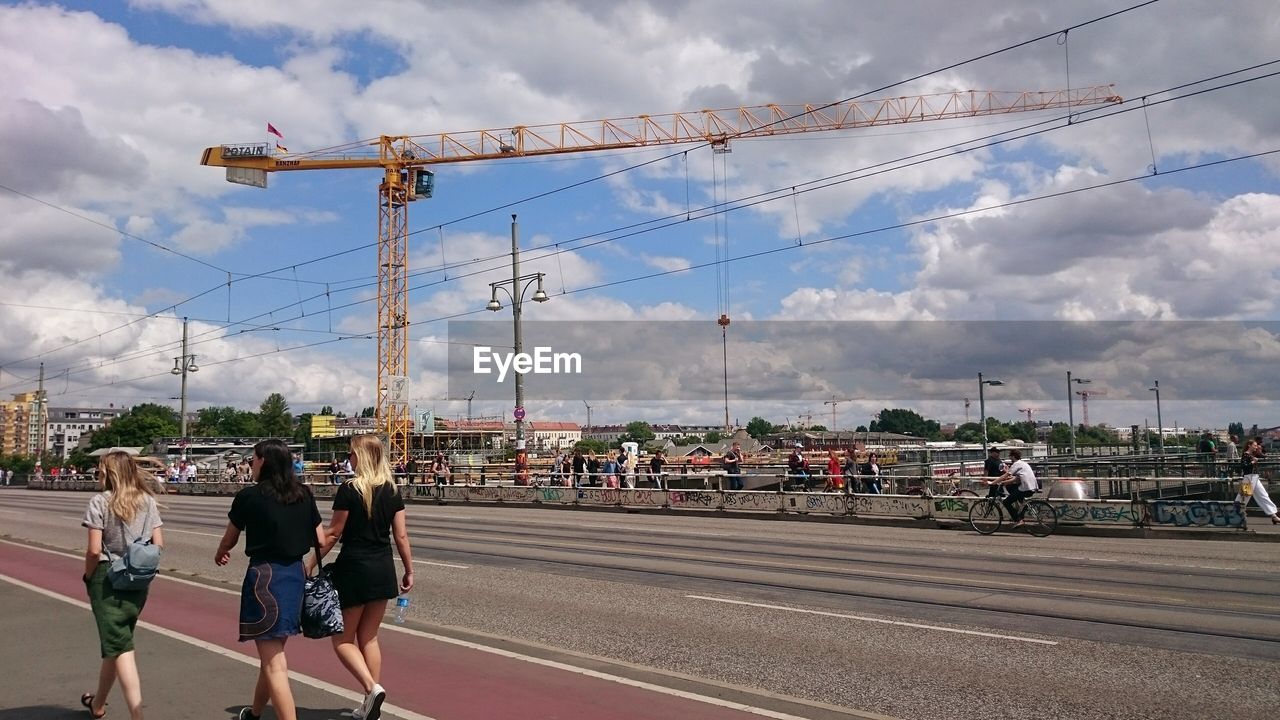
124, 511
368, 513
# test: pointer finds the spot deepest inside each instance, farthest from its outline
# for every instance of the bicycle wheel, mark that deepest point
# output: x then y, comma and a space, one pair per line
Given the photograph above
985, 516
964, 492
1040, 517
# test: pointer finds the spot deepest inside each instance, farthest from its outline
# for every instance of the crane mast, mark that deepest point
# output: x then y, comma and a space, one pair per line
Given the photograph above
403, 160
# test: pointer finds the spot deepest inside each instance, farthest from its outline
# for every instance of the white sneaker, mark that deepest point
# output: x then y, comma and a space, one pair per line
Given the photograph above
371, 708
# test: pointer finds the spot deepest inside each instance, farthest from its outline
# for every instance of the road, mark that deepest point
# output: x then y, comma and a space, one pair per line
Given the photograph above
818, 620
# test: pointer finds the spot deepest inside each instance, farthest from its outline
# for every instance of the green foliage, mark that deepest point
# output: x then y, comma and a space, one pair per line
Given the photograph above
758, 427
687, 440
226, 421
638, 431
138, 427
326, 410
901, 420
714, 437
861, 429
591, 446
817, 428
80, 460
1236, 428
302, 433
367, 412
274, 418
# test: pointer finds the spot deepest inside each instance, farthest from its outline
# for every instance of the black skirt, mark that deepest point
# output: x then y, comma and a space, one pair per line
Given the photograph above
363, 575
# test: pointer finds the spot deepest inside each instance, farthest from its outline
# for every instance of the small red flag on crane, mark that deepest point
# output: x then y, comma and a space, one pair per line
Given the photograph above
272, 129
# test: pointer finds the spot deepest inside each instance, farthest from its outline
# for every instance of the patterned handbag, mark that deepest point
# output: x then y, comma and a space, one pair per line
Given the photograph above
321, 611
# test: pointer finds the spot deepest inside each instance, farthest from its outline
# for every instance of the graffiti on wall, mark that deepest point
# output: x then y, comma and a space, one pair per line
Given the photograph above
1197, 513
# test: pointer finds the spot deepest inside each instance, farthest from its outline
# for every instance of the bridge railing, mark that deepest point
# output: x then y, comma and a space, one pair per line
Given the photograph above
1138, 509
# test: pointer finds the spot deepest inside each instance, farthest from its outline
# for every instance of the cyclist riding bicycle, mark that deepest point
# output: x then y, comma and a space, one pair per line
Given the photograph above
1020, 481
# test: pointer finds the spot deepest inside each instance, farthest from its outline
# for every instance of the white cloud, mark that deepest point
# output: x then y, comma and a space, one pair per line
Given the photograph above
666, 263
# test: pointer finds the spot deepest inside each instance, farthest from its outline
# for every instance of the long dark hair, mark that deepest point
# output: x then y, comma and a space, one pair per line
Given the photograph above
276, 473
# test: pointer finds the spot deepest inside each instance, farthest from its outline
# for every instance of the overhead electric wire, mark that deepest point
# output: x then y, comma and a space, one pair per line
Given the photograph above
740, 205
753, 255
504, 206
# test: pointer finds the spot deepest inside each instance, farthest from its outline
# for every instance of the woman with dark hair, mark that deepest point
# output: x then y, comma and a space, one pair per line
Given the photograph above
281, 524
368, 516
123, 512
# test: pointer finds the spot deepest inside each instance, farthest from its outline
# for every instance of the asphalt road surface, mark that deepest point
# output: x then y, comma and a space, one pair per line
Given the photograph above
817, 620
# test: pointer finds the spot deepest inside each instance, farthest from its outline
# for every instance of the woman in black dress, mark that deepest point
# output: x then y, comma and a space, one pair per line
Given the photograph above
281, 523
368, 513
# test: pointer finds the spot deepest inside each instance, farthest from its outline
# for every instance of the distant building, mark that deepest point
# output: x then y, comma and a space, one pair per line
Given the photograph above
22, 425
65, 426
549, 435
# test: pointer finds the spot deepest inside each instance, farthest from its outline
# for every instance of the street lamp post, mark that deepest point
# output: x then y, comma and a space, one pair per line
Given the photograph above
1071, 418
181, 366
1159, 422
982, 406
516, 293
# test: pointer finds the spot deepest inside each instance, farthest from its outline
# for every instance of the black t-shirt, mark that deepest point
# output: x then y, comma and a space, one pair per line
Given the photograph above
991, 467
274, 532
361, 530
731, 460
655, 464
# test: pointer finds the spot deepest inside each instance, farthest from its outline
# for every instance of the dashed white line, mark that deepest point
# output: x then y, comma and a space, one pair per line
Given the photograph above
882, 621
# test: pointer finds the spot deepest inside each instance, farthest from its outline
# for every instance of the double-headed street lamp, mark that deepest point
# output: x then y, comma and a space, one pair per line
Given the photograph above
982, 406
516, 293
1071, 418
1159, 422
181, 366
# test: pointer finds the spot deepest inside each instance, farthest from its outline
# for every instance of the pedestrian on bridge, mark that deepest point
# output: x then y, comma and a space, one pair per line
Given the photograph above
124, 511
1251, 485
281, 523
368, 515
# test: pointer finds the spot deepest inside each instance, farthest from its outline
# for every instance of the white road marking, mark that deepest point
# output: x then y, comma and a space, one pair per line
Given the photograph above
606, 676
224, 652
168, 529
408, 715
874, 620
441, 564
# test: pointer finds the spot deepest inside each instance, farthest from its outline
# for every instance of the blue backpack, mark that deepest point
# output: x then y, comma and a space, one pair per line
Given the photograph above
138, 565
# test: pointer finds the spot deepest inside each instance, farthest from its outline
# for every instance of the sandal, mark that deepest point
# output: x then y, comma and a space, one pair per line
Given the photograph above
87, 701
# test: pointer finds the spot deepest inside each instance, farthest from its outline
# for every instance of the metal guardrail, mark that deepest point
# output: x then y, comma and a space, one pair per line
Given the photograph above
1138, 511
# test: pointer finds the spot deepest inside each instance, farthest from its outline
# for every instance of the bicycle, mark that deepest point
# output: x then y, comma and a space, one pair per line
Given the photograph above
987, 515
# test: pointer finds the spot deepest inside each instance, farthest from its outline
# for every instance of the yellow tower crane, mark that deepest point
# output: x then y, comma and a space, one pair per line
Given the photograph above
403, 160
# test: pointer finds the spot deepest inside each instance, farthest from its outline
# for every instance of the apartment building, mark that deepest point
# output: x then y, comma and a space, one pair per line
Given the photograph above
22, 424
65, 426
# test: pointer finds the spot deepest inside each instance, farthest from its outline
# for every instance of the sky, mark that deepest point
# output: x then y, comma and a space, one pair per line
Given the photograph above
1089, 232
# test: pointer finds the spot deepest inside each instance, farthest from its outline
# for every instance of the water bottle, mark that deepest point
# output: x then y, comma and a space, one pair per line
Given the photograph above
402, 609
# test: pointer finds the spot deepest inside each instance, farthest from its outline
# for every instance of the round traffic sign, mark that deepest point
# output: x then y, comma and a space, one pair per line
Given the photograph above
519, 413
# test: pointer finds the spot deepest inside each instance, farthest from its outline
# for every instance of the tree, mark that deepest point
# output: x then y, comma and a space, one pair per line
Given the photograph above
638, 431
326, 410
758, 427
367, 412
1236, 428
591, 446
274, 418
226, 421
906, 422
714, 437
302, 434
138, 427
817, 428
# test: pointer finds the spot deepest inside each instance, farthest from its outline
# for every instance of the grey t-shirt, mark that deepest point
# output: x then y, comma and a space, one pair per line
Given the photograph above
100, 517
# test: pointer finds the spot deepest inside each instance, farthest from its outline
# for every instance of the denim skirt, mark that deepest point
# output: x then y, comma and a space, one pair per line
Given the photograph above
271, 600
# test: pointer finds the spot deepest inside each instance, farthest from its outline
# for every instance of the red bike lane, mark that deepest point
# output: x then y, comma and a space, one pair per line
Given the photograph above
435, 678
